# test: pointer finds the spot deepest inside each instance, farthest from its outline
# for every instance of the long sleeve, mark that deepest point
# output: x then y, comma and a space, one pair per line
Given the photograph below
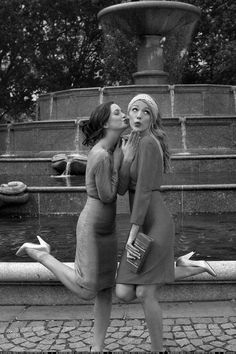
106, 180
124, 177
146, 176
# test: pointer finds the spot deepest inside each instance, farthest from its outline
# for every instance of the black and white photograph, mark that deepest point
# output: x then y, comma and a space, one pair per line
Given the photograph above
117, 176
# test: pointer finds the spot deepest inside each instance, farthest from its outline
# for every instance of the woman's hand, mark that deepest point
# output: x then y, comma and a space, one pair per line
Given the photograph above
132, 251
129, 148
117, 157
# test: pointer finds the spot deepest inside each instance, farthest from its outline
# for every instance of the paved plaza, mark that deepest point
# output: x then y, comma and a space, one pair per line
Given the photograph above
201, 327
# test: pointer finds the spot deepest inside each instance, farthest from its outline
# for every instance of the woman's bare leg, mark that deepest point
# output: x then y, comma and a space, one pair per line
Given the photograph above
182, 272
102, 314
62, 272
153, 314
126, 292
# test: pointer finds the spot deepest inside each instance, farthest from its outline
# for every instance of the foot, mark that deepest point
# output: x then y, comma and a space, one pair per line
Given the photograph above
185, 261
94, 349
27, 248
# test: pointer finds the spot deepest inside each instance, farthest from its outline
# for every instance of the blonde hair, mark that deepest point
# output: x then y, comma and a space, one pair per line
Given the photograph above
156, 127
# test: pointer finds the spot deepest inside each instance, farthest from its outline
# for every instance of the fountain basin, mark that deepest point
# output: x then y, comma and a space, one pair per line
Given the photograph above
210, 235
149, 17
173, 100
27, 282
217, 198
48, 138
151, 20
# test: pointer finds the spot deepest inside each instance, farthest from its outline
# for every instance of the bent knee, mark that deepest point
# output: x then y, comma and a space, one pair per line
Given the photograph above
85, 294
125, 293
146, 292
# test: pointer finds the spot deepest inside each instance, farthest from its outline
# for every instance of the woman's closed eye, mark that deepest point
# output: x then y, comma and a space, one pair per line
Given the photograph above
117, 112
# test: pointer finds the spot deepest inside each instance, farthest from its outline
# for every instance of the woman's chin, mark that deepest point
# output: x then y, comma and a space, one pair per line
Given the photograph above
137, 129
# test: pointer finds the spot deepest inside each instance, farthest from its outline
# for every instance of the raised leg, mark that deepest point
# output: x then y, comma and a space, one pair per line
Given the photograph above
147, 294
185, 267
102, 313
62, 272
182, 272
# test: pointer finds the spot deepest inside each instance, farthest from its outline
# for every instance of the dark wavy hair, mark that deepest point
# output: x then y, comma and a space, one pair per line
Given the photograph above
93, 129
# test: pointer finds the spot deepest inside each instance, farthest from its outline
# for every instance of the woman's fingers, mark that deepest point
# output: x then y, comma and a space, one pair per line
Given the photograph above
130, 256
131, 136
133, 251
123, 143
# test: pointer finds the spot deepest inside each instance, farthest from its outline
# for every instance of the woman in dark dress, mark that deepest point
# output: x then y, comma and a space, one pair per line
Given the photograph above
95, 263
150, 215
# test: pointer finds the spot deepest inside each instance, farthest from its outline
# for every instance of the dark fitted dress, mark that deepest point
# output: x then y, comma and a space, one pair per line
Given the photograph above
96, 250
149, 211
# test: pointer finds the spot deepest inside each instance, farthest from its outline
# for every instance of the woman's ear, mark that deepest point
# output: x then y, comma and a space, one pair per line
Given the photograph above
106, 125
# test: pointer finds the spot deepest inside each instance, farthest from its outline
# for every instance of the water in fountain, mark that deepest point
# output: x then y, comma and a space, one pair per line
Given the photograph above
8, 141
183, 136
172, 99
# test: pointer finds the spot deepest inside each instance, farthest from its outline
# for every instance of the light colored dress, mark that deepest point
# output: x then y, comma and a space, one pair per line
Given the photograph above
150, 212
96, 250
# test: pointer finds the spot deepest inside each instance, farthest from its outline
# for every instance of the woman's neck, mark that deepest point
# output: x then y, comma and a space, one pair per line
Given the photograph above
144, 133
108, 143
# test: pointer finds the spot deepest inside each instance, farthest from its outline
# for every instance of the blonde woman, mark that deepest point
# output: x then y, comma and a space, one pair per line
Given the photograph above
149, 214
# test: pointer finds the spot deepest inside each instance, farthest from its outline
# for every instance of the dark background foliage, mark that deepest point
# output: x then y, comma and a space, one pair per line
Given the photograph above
51, 45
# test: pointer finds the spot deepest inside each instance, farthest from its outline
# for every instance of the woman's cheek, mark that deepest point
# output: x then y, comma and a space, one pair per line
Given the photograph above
131, 122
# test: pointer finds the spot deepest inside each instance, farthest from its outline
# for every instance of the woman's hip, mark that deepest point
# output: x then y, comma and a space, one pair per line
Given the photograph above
98, 210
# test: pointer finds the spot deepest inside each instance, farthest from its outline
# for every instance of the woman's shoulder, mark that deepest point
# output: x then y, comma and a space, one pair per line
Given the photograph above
148, 141
97, 156
151, 144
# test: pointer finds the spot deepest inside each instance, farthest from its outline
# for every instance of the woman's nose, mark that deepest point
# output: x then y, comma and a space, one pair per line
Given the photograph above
139, 115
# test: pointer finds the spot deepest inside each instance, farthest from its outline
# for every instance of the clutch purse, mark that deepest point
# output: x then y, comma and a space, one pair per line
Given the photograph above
143, 244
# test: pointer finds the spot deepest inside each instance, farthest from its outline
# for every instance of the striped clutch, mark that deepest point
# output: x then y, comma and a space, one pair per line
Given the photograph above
143, 244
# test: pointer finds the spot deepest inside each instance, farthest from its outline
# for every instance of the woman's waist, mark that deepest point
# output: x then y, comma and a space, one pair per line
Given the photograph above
94, 201
156, 204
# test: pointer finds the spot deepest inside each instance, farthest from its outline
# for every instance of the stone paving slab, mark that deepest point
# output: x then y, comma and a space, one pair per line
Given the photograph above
9, 313
170, 310
219, 334
201, 327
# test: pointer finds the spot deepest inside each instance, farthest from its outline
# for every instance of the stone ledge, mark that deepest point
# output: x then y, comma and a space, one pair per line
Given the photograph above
35, 272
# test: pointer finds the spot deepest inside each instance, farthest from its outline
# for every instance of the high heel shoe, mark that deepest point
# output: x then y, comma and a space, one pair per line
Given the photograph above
185, 261
43, 246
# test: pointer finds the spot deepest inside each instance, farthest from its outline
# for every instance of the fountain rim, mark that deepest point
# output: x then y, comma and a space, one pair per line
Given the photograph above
141, 5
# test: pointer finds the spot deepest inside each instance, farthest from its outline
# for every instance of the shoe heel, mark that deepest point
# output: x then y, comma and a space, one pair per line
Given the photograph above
211, 270
41, 241
189, 255
21, 251
181, 261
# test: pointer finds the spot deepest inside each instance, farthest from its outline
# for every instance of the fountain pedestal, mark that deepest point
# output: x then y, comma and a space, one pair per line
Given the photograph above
150, 21
150, 62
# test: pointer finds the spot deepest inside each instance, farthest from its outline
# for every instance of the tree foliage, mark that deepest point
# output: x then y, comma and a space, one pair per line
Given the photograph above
50, 45
212, 55
47, 45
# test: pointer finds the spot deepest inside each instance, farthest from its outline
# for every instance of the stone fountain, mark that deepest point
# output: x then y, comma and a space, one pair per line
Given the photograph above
150, 21
200, 121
